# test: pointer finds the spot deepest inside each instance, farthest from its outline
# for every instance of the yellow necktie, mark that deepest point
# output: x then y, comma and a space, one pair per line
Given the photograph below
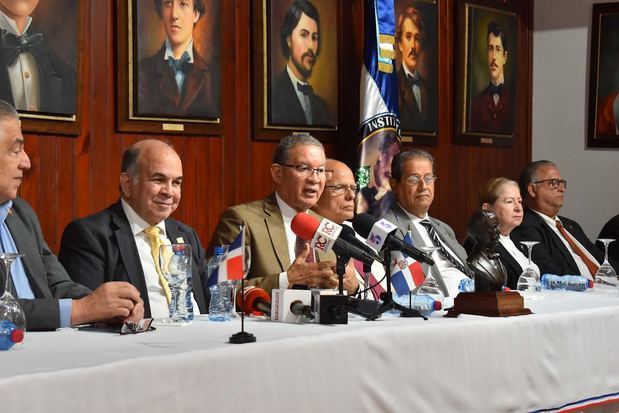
155, 250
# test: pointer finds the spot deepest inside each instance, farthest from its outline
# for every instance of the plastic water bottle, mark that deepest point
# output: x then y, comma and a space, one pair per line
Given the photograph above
423, 303
566, 282
220, 307
467, 285
180, 284
213, 264
9, 335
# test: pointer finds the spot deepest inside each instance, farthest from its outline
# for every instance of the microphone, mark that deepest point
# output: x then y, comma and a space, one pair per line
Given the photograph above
324, 237
298, 308
255, 299
349, 234
382, 232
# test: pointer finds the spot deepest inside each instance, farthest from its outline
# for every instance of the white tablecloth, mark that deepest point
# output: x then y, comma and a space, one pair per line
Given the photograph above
564, 353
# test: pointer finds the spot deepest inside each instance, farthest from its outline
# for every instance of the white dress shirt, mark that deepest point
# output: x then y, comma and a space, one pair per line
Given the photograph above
287, 214
303, 98
24, 72
156, 296
582, 267
179, 77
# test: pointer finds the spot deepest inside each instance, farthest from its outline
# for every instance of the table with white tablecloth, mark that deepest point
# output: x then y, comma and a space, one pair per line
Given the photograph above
565, 353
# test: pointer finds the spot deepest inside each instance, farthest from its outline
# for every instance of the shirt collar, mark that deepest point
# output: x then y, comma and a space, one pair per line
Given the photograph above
414, 218
168, 50
136, 222
294, 79
4, 209
408, 72
8, 24
546, 218
287, 211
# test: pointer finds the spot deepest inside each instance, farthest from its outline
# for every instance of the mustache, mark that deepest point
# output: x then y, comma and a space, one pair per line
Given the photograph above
413, 53
309, 53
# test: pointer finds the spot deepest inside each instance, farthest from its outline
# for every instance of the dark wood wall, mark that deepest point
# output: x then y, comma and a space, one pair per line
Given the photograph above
75, 176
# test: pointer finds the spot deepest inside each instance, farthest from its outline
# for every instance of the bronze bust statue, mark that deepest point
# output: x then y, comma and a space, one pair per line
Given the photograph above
484, 230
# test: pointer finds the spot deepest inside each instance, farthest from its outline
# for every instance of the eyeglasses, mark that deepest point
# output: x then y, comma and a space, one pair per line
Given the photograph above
307, 171
554, 183
338, 190
414, 179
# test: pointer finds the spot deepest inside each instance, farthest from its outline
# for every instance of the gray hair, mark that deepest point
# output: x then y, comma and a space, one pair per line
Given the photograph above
529, 174
399, 160
7, 111
282, 152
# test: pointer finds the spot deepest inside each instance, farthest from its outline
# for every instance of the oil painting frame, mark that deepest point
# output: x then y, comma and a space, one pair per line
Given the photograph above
419, 83
603, 111
271, 70
62, 24
148, 100
487, 96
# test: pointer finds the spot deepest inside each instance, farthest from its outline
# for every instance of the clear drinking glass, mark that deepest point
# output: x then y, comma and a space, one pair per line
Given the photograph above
606, 274
175, 262
529, 280
430, 286
12, 317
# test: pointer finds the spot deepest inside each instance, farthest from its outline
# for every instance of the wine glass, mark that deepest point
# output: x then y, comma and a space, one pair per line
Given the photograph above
429, 285
606, 273
529, 280
12, 317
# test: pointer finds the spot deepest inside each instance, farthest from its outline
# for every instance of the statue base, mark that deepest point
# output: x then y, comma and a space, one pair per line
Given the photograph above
489, 304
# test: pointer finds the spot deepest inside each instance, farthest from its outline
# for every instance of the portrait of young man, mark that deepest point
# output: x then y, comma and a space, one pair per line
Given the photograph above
178, 53
37, 61
303, 71
491, 76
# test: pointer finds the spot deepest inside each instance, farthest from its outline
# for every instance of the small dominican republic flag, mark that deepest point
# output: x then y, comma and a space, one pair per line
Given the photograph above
231, 266
406, 273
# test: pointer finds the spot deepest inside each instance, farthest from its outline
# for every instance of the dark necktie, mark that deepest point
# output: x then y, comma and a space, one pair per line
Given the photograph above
412, 80
593, 267
435, 238
496, 89
180, 65
12, 46
306, 89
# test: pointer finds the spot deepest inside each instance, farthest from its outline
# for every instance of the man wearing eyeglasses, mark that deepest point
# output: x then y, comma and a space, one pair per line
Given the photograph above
412, 181
278, 258
563, 246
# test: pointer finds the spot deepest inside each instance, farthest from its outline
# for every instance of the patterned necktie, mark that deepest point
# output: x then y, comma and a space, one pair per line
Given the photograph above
152, 233
593, 267
298, 249
435, 238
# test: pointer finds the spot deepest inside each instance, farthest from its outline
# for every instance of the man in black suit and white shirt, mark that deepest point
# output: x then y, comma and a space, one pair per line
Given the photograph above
117, 244
412, 182
42, 286
563, 246
293, 101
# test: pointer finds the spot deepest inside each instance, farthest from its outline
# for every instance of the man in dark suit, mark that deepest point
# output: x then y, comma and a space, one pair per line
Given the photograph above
293, 101
416, 95
32, 77
563, 246
177, 81
116, 243
493, 109
49, 298
278, 258
412, 182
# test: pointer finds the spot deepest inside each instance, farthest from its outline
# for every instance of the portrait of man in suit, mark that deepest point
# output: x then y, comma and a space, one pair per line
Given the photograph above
293, 100
606, 94
492, 110
416, 88
33, 77
177, 80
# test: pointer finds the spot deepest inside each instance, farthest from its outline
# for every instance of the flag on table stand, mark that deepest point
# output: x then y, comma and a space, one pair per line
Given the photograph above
406, 273
231, 266
379, 125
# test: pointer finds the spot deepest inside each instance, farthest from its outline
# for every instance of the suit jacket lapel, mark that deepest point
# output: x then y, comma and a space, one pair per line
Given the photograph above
21, 236
194, 83
167, 85
275, 225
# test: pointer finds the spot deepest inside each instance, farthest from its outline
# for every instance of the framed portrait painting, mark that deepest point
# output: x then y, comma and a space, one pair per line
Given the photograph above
416, 46
296, 65
603, 122
487, 95
39, 54
169, 66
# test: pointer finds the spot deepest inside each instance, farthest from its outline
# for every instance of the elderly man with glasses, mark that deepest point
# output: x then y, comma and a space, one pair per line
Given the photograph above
412, 181
278, 258
563, 246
